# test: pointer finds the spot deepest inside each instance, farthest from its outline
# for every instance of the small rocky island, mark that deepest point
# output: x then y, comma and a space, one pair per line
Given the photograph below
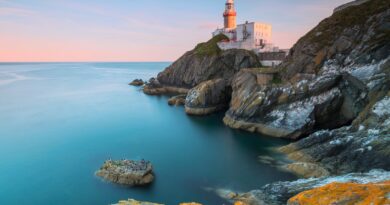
127, 172
137, 82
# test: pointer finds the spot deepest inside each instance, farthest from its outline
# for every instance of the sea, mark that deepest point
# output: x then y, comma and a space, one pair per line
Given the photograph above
60, 121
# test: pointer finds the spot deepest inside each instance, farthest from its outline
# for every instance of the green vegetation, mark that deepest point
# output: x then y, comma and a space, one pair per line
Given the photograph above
277, 79
210, 47
347, 18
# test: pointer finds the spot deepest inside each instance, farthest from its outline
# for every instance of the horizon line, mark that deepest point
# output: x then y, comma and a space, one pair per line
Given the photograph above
86, 62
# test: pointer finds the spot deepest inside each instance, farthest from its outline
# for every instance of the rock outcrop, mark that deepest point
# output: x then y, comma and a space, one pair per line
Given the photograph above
345, 193
354, 35
127, 172
357, 148
279, 193
177, 100
208, 97
205, 62
135, 202
325, 83
137, 82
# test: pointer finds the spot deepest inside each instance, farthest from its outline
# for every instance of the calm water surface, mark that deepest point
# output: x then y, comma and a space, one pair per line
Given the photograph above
60, 121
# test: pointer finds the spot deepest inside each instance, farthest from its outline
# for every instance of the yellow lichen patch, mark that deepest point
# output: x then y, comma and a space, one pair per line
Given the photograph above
346, 194
239, 203
191, 203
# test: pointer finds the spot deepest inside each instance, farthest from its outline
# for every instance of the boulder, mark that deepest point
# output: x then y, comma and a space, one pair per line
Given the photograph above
177, 100
137, 82
127, 172
208, 97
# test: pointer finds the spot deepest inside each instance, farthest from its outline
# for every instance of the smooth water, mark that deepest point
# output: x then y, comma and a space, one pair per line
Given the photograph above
60, 121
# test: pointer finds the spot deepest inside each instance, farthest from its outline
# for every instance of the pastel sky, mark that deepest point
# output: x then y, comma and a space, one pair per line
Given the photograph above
138, 30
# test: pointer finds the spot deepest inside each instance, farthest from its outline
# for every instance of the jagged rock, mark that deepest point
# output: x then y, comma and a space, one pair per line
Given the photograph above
345, 193
352, 35
326, 83
177, 100
205, 62
357, 148
280, 192
307, 170
154, 87
208, 97
137, 82
289, 110
127, 172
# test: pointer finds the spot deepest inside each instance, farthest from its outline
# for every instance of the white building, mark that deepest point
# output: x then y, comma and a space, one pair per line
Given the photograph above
253, 36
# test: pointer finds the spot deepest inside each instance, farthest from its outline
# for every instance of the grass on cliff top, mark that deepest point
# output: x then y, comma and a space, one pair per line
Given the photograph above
346, 18
210, 47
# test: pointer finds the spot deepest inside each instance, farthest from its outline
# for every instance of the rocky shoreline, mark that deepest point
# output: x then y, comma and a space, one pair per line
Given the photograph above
331, 96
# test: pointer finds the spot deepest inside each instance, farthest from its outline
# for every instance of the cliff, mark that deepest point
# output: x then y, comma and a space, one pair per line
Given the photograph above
354, 35
330, 76
331, 95
205, 62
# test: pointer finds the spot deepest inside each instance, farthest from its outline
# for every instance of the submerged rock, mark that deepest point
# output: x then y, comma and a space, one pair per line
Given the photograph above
137, 82
177, 100
127, 172
345, 193
208, 97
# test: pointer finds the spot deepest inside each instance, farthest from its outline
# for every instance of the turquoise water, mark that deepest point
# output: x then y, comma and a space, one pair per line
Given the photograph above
60, 121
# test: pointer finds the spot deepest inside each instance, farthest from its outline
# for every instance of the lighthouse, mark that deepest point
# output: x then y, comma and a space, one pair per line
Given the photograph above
230, 15
254, 36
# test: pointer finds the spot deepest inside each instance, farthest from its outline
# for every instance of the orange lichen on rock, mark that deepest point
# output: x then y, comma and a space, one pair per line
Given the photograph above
239, 203
345, 193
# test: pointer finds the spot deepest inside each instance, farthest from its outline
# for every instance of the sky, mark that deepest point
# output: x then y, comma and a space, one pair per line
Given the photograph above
138, 30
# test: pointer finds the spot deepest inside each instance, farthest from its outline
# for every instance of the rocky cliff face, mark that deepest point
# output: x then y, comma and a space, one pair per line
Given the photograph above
327, 80
205, 62
333, 91
355, 35
279, 193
